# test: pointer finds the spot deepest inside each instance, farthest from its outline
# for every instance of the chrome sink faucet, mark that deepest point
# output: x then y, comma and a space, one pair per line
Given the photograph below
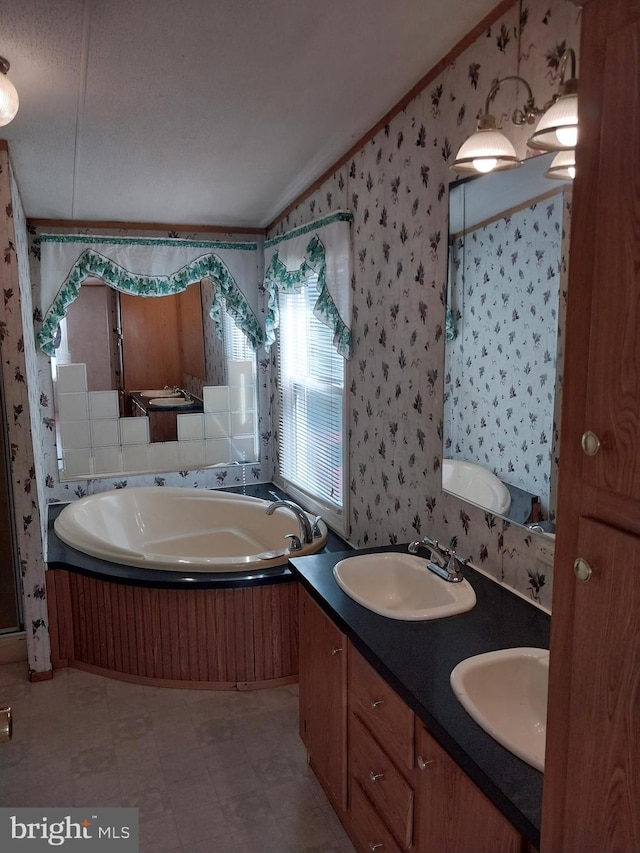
442, 561
306, 531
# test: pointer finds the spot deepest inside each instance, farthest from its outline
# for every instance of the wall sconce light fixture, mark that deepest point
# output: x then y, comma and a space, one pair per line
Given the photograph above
489, 150
9, 101
563, 166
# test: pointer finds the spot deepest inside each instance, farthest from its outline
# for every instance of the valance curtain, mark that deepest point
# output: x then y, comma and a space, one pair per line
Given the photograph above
149, 267
323, 249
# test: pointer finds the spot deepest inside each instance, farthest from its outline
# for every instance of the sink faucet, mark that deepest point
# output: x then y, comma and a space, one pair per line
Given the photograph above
306, 531
442, 561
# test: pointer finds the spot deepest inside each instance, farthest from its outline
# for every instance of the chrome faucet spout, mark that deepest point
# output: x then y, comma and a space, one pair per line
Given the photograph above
306, 531
436, 553
441, 561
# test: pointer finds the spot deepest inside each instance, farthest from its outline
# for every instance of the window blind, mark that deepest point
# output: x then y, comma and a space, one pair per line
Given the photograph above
310, 435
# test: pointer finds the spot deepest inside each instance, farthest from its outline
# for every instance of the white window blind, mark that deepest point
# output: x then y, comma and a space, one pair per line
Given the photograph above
310, 435
236, 343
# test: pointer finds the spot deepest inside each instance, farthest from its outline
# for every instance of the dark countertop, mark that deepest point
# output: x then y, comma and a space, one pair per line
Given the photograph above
416, 659
143, 403
62, 556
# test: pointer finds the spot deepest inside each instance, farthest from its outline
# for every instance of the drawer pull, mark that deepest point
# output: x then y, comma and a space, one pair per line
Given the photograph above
376, 845
374, 703
590, 443
375, 776
423, 763
335, 650
582, 569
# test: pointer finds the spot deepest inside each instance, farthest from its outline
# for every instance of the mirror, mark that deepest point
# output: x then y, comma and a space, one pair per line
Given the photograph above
505, 299
114, 350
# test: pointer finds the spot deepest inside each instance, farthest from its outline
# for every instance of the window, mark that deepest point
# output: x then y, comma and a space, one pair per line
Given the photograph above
236, 344
310, 433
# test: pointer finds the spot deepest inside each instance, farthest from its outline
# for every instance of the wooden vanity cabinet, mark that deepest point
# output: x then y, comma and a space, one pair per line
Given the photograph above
323, 698
452, 814
392, 786
380, 756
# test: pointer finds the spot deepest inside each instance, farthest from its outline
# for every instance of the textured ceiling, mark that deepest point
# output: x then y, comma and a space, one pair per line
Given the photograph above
205, 111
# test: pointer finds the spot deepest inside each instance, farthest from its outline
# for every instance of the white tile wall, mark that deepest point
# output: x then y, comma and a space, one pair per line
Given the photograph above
217, 425
217, 451
75, 434
216, 398
243, 423
190, 427
243, 450
76, 462
107, 460
103, 404
71, 377
135, 457
105, 433
134, 430
73, 406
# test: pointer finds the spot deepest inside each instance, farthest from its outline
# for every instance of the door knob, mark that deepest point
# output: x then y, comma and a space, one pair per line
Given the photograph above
423, 763
335, 650
582, 569
590, 443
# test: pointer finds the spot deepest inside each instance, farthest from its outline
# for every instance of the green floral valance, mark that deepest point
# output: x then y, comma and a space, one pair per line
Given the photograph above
155, 257
322, 249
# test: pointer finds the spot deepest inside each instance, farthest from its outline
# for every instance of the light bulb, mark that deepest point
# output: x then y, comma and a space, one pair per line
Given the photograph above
568, 136
487, 164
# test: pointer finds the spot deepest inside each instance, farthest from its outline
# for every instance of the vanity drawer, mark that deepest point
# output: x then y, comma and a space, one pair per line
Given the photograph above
381, 709
368, 831
380, 779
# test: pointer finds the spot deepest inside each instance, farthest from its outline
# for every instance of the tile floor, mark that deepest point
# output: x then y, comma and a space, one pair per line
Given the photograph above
209, 771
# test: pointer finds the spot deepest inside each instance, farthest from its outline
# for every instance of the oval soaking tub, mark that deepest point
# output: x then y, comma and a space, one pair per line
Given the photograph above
173, 528
475, 484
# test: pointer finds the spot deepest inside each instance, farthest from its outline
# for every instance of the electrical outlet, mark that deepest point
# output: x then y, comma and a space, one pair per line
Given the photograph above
545, 550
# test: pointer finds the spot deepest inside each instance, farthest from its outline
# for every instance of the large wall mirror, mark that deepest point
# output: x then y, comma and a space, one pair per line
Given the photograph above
145, 384
507, 235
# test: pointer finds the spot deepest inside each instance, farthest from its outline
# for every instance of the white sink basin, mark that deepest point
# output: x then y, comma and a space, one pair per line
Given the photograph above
506, 693
171, 402
402, 587
475, 484
162, 392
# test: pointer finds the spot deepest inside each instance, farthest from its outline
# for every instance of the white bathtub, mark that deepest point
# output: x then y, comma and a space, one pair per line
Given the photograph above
475, 484
181, 529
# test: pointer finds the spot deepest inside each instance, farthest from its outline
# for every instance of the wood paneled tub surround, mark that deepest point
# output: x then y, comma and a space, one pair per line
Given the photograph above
216, 631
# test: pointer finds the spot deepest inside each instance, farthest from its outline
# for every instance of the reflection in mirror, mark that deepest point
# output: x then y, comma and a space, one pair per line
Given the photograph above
130, 372
505, 266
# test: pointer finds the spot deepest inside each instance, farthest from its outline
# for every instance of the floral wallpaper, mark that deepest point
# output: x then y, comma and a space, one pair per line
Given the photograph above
500, 369
396, 188
17, 344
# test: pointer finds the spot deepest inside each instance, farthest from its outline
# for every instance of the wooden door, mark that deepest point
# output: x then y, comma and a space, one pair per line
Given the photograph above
452, 814
162, 339
150, 342
591, 798
323, 698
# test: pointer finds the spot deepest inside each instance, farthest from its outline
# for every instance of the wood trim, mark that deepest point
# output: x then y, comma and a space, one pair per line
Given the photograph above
34, 677
517, 207
240, 638
402, 104
141, 226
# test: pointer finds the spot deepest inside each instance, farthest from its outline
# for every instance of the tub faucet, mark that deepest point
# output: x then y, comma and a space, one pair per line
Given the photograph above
306, 532
442, 561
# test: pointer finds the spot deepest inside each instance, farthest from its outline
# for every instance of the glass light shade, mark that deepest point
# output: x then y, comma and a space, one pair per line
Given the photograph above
9, 101
563, 166
487, 150
557, 130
